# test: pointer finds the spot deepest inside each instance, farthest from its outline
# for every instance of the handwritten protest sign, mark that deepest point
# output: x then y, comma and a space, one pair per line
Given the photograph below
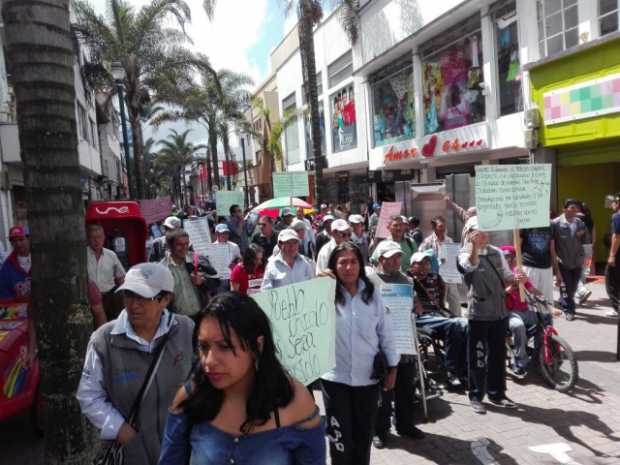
225, 199
398, 298
388, 209
448, 254
513, 196
290, 184
220, 256
199, 234
303, 318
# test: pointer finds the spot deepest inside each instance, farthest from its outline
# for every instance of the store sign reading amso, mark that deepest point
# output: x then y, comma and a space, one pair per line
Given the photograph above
452, 142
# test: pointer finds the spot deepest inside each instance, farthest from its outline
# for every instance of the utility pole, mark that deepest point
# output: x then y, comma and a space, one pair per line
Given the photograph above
245, 175
118, 73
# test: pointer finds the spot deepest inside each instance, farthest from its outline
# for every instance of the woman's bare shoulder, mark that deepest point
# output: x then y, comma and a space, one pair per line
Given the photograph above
302, 408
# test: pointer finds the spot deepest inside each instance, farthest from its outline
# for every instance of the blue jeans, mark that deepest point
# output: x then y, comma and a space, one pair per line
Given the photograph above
453, 331
571, 278
518, 323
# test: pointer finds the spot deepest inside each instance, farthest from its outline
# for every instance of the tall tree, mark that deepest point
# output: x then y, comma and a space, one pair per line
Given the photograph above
41, 56
148, 46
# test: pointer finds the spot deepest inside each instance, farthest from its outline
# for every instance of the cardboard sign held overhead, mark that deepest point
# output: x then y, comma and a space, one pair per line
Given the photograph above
290, 184
199, 234
388, 209
225, 199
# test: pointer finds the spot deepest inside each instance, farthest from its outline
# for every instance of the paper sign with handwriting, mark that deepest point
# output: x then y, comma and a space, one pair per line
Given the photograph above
220, 256
303, 318
448, 254
290, 184
226, 199
513, 196
388, 209
199, 234
398, 298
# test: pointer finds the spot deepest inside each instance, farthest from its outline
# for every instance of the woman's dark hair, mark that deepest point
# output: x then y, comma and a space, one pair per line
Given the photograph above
333, 258
272, 386
437, 219
249, 257
569, 202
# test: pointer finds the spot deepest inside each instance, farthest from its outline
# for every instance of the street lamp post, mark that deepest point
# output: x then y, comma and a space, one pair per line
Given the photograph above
118, 73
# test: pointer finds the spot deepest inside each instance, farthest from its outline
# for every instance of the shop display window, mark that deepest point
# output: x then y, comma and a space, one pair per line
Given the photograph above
452, 77
308, 132
509, 67
393, 108
608, 14
344, 127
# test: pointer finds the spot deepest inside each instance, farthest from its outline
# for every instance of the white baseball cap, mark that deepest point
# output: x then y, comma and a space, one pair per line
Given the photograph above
222, 228
172, 222
356, 219
340, 225
328, 217
148, 280
418, 257
288, 234
387, 249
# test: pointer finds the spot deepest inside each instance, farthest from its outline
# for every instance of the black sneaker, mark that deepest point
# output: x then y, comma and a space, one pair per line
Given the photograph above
569, 316
477, 406
412, 433
454, 382
379, 441
503, 402
519, 373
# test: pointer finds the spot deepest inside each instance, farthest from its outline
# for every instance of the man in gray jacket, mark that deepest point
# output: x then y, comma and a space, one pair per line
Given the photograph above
119, 355
486, 274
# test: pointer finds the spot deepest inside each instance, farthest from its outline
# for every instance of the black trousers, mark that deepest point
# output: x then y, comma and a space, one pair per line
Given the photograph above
571, 278
486, 351
350, 415
612, 285
404, 397
112, 304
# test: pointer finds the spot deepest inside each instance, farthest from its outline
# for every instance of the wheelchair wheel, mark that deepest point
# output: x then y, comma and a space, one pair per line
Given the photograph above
562, 372
432, 355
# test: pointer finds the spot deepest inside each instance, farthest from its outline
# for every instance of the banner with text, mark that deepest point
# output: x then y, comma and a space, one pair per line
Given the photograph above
513, 196
388, 209
225, 199
398, 298
290, 184
303, 318
199, 234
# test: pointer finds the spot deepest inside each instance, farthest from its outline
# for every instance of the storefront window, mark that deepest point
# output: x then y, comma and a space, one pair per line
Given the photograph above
608, 12
291, 135
507, 43
344, 127
452, 77
393, 103
308, 132
558, 25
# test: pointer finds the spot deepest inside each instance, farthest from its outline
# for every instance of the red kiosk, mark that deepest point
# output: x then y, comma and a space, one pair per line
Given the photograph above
124, 226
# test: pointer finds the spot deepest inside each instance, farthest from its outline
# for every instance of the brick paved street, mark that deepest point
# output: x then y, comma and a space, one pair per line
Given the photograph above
585, 423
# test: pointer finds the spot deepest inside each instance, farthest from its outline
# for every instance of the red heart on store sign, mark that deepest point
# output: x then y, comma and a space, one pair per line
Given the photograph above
428, 150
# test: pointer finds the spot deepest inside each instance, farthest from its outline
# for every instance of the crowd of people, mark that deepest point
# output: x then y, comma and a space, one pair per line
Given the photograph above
182, 364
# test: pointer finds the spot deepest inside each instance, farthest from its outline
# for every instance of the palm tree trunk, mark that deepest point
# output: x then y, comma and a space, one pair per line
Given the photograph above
226, 144
138, 171
40, 51
213, 150
308, 67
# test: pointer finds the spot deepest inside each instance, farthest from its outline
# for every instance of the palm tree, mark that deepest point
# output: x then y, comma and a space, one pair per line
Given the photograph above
176, 153
149, 49
40, 44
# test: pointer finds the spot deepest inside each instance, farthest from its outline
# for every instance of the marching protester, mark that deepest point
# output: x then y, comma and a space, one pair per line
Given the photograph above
359, 236
306, 246
266, 237
236, 227
363, 331
159, 246
325, 235
582, 294
388, 271
288, 266
134, 365
287, 217
247, 277
397, 234
309, 231
240, 405
194, 277
612, 270
341, 232
435, 242
414, 230
486, 274
568, 233
230, 251
538, 253
105, 269
373, 221
15, 276
431, 315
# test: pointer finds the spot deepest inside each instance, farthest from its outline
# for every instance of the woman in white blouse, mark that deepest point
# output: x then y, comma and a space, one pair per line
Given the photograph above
350, 393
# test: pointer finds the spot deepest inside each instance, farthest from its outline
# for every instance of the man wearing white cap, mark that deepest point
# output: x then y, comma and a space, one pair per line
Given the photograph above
118, 359
159, 246
359, 236
341, 231
325, 235
388, 254
224, 256
289, 266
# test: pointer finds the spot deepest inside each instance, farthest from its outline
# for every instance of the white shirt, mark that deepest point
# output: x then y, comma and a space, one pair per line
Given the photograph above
91, 394
278, 273
322, 260
25, 262
222, 257
104, 270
